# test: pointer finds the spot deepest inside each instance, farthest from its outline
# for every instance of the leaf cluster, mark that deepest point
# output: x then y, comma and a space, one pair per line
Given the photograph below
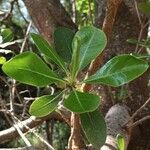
72, 53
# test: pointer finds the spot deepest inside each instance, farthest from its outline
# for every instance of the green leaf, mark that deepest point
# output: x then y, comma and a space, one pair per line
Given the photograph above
119, 70
94, 127
7, 35
30, 69
63, 42
144, 7
79, 102
92, 43
2, 60
44, 105
120, 142
47, 50
75, 59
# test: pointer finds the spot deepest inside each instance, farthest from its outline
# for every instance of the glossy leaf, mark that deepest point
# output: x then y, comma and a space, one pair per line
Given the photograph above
30, 69
44, 105
144, 7
63, 42
7, 35
120, 142
2, 60
92, 43
119, 70
79, 102
75, 59
94, 126
45, 48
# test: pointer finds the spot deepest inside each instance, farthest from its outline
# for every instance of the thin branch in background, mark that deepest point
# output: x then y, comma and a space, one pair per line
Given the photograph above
4, 45
25, 103
25, 38
143, 26
73, 10
12, 97
49, 130
40, 138
138, 122
137, 11
137, 112
5, 110
16, 125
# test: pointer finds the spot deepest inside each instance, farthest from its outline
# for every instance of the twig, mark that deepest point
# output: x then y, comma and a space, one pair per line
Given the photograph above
73, 10
5, 110
42, 140
138, 122
143, 26
22, 135
136, 113
138, 14
12, 96
25, 38
10, 43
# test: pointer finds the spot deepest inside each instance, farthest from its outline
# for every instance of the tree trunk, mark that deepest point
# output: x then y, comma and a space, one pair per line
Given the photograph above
126, 26
47, 15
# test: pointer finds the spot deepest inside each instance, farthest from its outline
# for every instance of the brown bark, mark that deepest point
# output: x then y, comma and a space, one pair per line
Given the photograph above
47, 15
75, 140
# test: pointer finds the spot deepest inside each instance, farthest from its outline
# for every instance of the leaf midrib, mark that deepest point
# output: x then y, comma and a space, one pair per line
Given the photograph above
50, 77
52, 100
79, 101
86, 49
111, 74
56, 58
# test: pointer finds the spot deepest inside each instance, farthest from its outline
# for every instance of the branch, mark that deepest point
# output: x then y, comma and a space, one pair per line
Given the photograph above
137, 112
9, 134
138, 122
115, 118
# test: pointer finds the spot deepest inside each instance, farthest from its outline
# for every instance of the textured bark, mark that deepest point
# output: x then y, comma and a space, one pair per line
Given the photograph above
127, 26
47, 15
115, 118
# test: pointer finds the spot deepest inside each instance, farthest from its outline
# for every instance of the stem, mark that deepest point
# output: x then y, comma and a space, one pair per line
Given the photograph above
75, 140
